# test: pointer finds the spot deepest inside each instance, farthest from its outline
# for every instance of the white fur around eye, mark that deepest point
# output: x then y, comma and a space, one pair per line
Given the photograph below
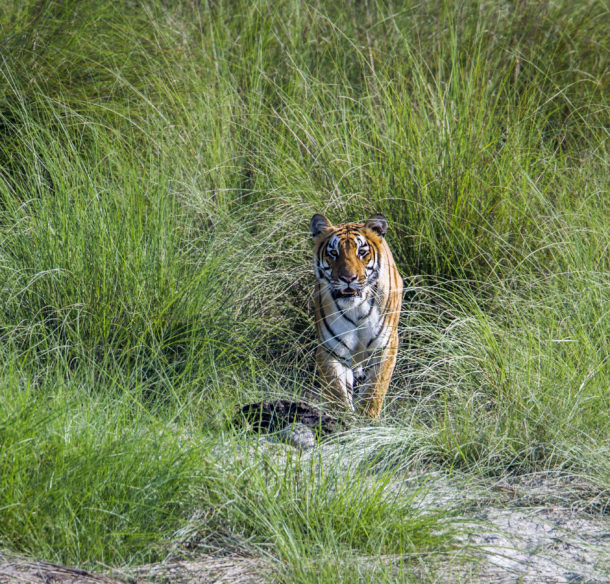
332, 247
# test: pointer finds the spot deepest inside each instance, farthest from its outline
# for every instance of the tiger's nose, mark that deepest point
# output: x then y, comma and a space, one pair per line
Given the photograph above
348, 278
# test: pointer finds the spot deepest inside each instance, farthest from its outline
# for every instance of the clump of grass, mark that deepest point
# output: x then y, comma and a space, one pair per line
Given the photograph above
364, 570
89, 478
307, 513
108, 480
309, 509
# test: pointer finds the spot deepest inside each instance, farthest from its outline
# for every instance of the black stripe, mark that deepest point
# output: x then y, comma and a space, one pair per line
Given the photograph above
341, 360
343, 314
373, 293
321, 274
320, 253
385, 306
378, 332
374, 271
330, 330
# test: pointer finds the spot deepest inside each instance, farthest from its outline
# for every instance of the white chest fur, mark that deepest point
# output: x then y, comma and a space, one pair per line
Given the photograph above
352, 325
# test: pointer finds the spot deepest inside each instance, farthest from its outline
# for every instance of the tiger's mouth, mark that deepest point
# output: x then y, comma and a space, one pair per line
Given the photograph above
347, 293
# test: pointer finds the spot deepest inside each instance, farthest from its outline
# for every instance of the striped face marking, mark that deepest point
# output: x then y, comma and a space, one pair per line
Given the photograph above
363, 247
332, 249
347, 263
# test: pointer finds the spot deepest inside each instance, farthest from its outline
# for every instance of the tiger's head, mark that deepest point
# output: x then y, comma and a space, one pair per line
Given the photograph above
346, 257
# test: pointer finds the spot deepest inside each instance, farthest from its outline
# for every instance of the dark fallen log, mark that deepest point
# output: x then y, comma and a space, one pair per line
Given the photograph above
274, 416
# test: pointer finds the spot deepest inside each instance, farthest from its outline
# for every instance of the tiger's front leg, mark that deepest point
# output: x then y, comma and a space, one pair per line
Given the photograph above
378, 372
337, 379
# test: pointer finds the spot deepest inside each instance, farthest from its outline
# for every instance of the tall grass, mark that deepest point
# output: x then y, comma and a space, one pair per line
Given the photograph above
158, 168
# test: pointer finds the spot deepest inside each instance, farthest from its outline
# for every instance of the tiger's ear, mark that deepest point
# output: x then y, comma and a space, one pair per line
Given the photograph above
318, 224
378, 223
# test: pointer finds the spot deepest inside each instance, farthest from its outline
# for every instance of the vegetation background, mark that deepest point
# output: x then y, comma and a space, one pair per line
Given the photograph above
159, 164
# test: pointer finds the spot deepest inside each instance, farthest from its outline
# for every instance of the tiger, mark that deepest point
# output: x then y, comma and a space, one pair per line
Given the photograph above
357, 302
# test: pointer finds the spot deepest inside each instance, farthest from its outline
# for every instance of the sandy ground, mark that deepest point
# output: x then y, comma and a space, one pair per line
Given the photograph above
540, 545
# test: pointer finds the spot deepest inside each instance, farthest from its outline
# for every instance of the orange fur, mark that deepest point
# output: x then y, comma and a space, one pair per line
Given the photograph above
357, 302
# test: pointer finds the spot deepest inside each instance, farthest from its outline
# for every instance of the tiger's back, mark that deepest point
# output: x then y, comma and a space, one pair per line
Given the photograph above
357, 302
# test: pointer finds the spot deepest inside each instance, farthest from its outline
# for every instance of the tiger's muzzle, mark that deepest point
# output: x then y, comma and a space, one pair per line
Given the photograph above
346, 289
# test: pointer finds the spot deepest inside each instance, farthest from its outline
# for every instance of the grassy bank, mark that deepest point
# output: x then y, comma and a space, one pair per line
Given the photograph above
158, 169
